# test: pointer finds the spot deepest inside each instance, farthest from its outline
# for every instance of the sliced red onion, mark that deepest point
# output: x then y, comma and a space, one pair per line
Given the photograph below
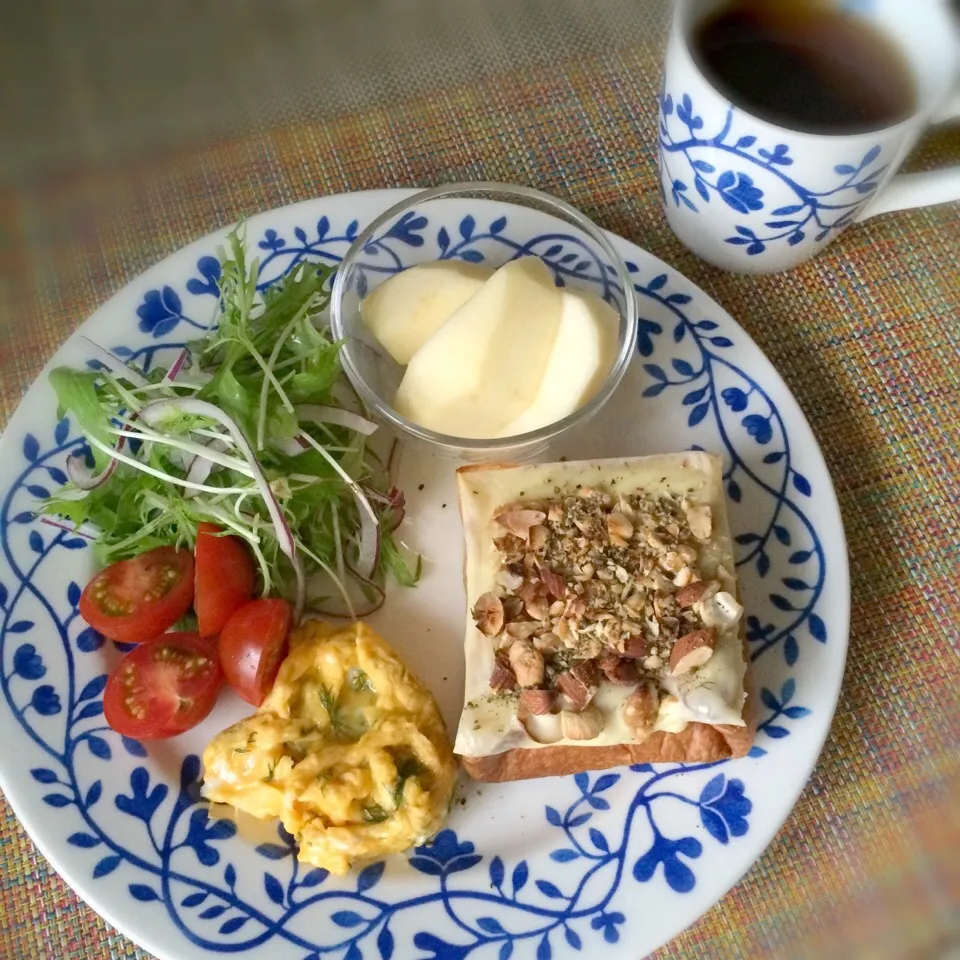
178, 365
155, 412
397, 503
82, 477
50, 522
315, 413
159, 474
368, 549
200, 467
117, 366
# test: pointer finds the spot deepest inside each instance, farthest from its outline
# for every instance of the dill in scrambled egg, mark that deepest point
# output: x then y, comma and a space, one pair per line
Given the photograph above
349, 750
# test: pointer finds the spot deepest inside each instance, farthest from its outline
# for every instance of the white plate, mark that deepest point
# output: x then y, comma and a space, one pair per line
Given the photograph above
619, 861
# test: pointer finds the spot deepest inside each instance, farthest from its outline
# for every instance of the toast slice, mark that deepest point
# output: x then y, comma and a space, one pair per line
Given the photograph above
604, 625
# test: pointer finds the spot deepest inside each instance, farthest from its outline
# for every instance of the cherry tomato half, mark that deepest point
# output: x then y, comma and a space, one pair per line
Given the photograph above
225, 578
137, 599
163, 687
252, 645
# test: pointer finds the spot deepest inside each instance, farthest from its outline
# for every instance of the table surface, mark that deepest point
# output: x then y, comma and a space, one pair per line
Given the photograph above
131, 129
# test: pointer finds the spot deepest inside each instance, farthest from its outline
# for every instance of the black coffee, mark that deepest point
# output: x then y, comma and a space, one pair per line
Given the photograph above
804, 65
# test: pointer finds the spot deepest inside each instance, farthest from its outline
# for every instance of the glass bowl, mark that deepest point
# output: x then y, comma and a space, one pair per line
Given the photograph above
488, 223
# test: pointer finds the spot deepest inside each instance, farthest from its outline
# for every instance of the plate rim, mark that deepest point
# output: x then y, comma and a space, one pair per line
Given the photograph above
828, 503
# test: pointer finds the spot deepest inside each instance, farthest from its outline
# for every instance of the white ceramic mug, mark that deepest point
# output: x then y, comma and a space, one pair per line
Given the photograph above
754, 197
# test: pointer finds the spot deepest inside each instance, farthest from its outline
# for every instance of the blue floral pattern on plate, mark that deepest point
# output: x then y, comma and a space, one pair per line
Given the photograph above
606, 829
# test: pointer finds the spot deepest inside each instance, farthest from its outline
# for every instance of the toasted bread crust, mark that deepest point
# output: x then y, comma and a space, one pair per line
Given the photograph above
698, 743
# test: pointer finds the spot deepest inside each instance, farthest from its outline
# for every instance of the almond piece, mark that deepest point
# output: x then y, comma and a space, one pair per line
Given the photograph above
538, 607
640, 710
555, 584
687, 553
548, 642
502, 677
619, 670
512, 608
574, 609
619, 529
527, 663
519, 522
699, 519
488, 614
538, 702
672, 561
634, 648
692, 650
538, 536
575, 687
690, 594
523, 629
587, 671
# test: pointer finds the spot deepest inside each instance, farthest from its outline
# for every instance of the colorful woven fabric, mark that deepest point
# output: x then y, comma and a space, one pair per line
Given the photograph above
104, 173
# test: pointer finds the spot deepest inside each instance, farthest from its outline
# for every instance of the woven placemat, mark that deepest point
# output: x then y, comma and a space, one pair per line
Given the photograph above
113, 159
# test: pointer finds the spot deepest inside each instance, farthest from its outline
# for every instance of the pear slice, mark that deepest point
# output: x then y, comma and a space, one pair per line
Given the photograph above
406, 310
483, 367
582, 356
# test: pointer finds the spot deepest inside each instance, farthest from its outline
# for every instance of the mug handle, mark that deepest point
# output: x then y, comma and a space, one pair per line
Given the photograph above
910, 190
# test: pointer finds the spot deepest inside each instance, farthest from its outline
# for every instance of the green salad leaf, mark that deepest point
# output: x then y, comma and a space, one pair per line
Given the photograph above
298, 478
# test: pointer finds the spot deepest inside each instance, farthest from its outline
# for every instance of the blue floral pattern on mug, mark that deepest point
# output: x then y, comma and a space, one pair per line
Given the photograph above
742, 172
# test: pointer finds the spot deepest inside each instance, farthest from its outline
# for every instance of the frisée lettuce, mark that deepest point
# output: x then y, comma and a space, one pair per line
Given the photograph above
255, 428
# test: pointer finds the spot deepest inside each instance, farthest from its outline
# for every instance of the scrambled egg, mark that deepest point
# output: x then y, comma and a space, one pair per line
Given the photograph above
349, 750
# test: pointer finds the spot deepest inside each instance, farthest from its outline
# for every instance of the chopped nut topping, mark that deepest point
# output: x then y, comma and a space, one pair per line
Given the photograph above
527, 663
690, 594
640, 710
579, 684
519, 522
619, 528
587, 724
538, 607
538, 702
587, 578
699, 519
544, 728
523, 629
555, 584
488, 614
502, 677
619, 670
512, 608
635, 648
538, 536
548, 643
692, 650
